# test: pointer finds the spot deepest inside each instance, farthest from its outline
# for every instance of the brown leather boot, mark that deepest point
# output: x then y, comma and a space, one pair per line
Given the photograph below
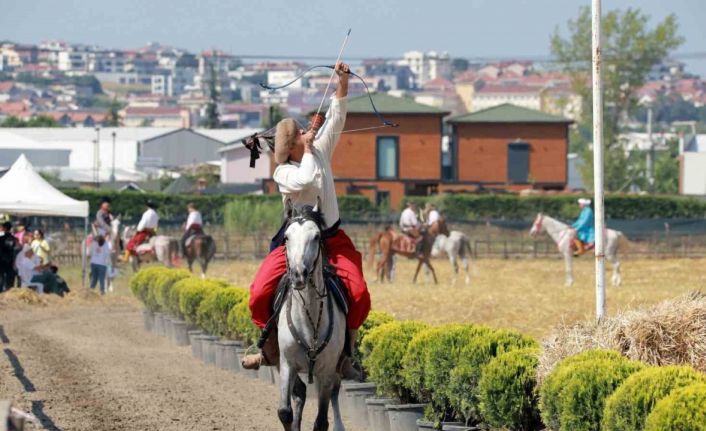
347, 368
268, 356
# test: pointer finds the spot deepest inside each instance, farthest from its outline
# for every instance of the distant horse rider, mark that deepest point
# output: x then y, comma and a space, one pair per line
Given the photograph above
411, 227
431, 213
193, 225
583, 228
304, 175
146, 229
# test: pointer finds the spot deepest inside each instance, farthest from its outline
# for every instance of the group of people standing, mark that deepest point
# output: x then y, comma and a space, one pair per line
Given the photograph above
25, 260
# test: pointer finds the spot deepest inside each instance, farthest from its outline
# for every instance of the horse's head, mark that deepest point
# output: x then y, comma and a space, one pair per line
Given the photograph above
441, 227
537, 226
128, 232
304, 244
115, 227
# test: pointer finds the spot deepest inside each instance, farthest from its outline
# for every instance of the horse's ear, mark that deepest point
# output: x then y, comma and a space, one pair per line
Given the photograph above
318, 204
288, 209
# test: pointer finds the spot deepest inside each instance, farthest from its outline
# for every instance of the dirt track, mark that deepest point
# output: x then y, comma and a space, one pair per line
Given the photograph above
95, 368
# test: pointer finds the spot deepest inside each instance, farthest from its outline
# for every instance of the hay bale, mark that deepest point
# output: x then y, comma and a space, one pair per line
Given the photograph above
671, 332
21, 297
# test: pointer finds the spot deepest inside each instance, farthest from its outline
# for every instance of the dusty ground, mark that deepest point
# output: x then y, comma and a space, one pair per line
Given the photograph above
91, 366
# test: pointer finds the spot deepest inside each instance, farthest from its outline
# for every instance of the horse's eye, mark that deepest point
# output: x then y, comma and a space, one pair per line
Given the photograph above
316, 238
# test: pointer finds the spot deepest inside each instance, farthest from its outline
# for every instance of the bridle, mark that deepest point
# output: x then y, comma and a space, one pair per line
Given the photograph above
312, 351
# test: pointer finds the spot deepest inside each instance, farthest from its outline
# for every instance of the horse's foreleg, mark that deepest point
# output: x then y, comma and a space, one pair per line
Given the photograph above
616, 279
325, 389
431, 268
298, 401
568, 265
284, 412
416, 273
466, 266
337, 421
454, 265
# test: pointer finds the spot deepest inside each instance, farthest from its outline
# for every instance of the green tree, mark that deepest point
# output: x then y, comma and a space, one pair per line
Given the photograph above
212, 120
459, 65
275, 114
38, 121
667, 169
630, 48
114, 114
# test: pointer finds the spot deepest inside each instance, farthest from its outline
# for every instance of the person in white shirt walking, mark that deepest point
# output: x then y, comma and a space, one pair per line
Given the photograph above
146, 229
100, 260
193, 225
305, 177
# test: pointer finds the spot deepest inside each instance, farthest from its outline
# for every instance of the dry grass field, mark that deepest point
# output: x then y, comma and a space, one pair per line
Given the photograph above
528, 295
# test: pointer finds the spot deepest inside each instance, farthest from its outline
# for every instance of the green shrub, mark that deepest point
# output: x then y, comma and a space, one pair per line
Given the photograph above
139, 283
387, 345
461, 386
628, 407
240, 324
683, 410
172, 300
161, 285
414, 363
507, 392
582, 400
212, 312
375, 319
554, 383
191, 293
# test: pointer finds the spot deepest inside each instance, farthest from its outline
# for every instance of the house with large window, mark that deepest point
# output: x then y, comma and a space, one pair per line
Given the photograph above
507, 147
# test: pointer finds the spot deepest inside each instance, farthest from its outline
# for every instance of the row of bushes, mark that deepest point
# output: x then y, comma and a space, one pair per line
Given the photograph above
456, 207
514, 207
470, 373
603, 390
467, 372
209, 304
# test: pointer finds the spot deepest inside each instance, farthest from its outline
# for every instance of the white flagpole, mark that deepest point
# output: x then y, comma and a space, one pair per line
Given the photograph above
598, 160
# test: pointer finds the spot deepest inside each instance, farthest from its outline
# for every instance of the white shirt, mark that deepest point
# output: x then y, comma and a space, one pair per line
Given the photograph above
408, 219
303, 182
25, 267
433, 217
194, 218
149, 220
100, 255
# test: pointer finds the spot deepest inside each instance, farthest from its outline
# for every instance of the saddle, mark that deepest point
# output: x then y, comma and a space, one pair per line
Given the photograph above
579, 247
191, 238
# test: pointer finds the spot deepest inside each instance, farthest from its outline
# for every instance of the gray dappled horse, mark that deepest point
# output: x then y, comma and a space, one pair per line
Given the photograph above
563, 236
457, 246
199, 247
311, 328
164, 249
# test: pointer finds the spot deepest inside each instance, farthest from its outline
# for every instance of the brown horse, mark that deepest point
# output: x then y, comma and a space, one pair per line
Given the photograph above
385, 242
200, 248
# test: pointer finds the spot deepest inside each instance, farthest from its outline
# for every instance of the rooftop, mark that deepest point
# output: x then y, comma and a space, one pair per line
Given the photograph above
508, 113
387, 104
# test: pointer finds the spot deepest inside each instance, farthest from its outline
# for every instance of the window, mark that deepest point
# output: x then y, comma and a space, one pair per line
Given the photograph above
448, 156
387, 157
518, 162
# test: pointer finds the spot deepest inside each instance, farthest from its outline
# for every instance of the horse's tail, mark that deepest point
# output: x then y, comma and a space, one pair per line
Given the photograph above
209, 247
624, 243
373, 248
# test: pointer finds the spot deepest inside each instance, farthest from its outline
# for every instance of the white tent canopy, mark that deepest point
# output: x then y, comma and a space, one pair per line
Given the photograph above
23, 191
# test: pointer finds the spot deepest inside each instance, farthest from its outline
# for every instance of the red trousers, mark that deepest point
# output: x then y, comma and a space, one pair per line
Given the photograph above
138, 239
349, 267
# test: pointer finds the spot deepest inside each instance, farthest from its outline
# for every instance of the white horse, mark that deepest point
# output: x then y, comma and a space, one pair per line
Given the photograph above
456, 245
160, 247
563, 236
311, 328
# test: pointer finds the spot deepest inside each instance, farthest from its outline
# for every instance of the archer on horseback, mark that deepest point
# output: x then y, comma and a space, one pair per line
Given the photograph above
146, 229
584, 233
305, 177
104, 219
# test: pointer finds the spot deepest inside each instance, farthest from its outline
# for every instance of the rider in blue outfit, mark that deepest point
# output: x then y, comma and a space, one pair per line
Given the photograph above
583, 226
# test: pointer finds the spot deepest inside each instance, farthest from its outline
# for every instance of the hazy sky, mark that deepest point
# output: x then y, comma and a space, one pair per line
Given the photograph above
483, 28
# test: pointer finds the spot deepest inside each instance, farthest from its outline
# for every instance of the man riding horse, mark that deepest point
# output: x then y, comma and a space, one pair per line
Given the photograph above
412, 228
584, 238
104, 218
193, 225
305, 177
146, 229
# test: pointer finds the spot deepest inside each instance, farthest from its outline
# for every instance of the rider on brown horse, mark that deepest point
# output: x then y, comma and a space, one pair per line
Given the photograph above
412, 228
193, 225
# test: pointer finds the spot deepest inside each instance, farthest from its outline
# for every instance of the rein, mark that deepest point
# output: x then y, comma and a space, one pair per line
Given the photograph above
313, 351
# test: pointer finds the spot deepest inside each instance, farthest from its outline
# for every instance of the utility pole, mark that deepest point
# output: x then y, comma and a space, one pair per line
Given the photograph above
96, 158
650, 153
598, 159
112, 171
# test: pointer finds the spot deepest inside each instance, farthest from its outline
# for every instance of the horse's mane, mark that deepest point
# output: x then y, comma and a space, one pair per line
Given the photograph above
307, 212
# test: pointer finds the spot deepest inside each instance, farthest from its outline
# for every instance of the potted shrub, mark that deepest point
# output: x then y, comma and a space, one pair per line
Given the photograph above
139, 284
627, 409
462, 383
588, 383
683, 409
507, 391
384, 347
240, 327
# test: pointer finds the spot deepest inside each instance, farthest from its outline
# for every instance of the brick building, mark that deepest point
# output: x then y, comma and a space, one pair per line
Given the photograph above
507, 147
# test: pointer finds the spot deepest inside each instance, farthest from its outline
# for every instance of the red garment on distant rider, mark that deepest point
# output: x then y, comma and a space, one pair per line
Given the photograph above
349, 267
138, 239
